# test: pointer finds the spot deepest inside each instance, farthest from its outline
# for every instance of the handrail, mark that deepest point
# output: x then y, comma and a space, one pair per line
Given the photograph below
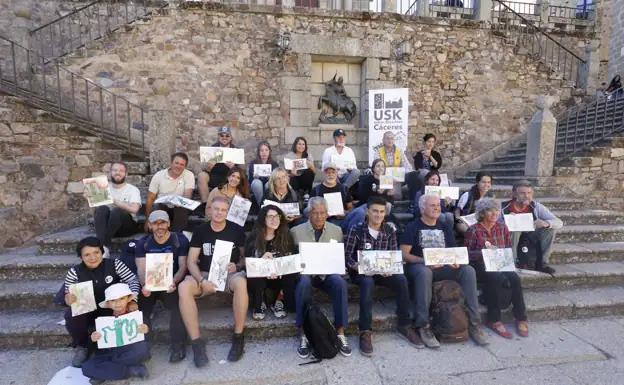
74, 98
75, 11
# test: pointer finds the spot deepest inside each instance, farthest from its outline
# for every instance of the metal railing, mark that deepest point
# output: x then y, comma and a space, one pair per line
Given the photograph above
75, 99
86, 24
571, 14
526, 35
530, 11
585, 125
452, 9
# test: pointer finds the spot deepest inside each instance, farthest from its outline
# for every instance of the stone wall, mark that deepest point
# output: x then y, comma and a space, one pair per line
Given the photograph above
219, 66
616, 53
42, 162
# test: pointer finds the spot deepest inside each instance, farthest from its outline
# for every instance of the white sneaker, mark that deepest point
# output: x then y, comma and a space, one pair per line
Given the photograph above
278, 309
259, 315
303, 350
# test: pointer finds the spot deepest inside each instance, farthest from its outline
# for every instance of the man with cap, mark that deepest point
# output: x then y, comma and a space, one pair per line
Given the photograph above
215, 174
343, 158
164, 241
331, 184
174, 180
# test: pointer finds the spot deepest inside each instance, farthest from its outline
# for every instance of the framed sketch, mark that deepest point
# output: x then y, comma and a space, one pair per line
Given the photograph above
239, 210
397, 173
178, 201
259, 267
498, 259
289, 209
469, 219
446, 256
443, 191
263, 170
85, 298
158, 271
221, 155
97, 191
386, 182
119, 331
520, 222
372, 262
220, 260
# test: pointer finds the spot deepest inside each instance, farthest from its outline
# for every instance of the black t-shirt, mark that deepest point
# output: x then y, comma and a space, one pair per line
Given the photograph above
177, 244
421, 236
320, 190
366, 189
205, 238
218, 174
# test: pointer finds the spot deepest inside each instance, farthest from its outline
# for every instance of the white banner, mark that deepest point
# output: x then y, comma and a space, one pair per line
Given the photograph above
387, 111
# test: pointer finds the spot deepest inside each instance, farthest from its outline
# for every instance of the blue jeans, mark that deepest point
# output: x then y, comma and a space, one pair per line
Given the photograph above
334, 285
350, 177
396, 282
114, 363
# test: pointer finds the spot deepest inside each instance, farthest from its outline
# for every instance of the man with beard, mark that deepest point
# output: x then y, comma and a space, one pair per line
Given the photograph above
118, 219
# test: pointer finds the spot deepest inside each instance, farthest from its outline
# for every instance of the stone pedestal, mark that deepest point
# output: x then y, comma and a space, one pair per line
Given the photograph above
162, 138
483, 10
589, 72
541, 140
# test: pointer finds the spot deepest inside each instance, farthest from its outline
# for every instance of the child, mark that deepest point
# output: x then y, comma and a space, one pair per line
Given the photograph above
120, 362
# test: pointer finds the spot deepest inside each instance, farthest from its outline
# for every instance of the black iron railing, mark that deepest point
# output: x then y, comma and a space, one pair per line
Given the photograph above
51, 87
86, 24
585, 125
527, 36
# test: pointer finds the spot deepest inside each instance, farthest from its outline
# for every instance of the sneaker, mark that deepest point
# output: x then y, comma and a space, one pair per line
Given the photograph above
303, 350
546, 269
278, 309
80, 356
199, 353
344, 347
138, 371
366, 343
238, 347
177, 353
258, 315
427, 337
477, 334
410, 334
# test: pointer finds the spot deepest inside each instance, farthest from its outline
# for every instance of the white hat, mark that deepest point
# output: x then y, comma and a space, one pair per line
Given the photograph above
115, 291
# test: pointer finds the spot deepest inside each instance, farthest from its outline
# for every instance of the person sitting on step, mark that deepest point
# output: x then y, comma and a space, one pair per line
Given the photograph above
280, 191
425, 160
259, 183
331, 184
467, 201
343, 159
432, 178
301, 180
235, 185
215, 174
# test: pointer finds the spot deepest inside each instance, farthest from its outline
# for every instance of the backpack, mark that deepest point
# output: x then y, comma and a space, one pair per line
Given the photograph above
448, 314
320, 333
528, 252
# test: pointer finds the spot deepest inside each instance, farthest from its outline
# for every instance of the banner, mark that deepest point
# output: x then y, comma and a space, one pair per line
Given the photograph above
387, 111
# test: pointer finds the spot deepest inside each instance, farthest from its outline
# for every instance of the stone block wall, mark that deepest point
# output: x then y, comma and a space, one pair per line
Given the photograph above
42, 162
616, 52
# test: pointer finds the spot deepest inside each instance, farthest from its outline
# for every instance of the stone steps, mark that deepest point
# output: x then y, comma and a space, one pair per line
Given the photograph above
590, 233
504, 164
25, 329
497, 172
514, 157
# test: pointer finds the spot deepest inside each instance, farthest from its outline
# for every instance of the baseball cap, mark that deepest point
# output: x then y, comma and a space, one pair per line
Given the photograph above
224, 130
158, 215
339, 132
329, 165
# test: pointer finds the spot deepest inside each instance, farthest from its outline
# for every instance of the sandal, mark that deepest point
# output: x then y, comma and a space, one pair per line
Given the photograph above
522, 327
500, 329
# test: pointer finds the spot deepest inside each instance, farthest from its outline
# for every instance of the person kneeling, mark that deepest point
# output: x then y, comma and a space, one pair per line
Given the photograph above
120, 362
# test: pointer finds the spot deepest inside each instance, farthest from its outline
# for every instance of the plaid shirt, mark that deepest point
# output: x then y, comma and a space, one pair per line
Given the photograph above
359, 238
477, 235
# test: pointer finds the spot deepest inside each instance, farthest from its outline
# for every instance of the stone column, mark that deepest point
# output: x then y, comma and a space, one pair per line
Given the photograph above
390, 6
422, 8
483, 10
589, 72
541, 139
544, 12
347, 5
161, 138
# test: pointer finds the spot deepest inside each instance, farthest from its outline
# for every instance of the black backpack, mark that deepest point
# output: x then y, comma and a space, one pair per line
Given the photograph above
320, 333
448, 313
528, 252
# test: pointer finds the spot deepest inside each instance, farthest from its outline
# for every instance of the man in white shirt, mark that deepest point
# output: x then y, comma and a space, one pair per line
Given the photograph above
119, 218
175, 180
343, 157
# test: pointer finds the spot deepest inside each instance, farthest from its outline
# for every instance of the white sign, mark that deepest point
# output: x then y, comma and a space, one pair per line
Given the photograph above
520, 222
239, 210
443, 191
398, 173
289, 209
386, 182
498, 259
97, 191
446, 256
335, 205
158, 271
85, 298
296, 164
444, 180
260, 267
342, 163
469, 219
322, 258
263, 170
119, 331
179, 201
219, 265
387, 111
221, 155
372, 262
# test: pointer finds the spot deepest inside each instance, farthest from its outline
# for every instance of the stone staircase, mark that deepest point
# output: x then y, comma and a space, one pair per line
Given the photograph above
588, 256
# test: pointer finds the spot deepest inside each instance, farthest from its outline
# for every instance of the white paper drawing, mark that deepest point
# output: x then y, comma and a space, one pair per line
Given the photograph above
119, 331
221, 155
334, 203
85, 298
220, 260
469, 219
158, 271
386, 182
444, 180
380, 262
239, 210
398, 173
259, 267
263, 170
498, 259
446, 256
342, 163
296, 164
322, 258
178, 201
443, 191
289, 209
520, 222
97, 190
69, 376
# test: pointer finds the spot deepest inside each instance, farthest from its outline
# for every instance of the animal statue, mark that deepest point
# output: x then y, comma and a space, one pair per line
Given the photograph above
337, 100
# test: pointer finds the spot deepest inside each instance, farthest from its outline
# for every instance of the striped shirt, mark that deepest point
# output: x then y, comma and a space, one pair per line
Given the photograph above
122, 271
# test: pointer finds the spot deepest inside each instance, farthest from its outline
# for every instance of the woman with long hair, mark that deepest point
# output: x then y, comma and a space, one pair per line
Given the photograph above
258, 183
280, 191
467, 201
270, 239
301, 180
236, 184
